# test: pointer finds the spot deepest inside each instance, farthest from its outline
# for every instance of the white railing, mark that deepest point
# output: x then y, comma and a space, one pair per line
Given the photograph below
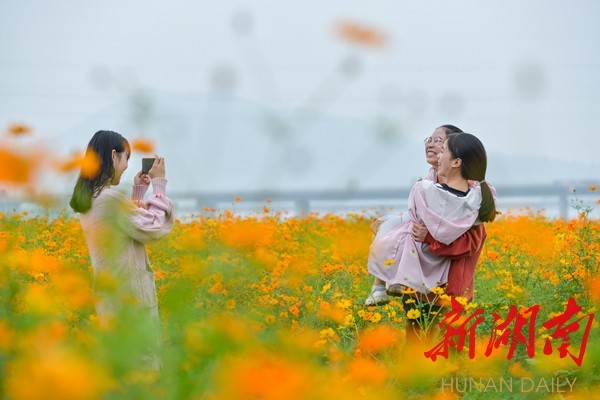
556, 200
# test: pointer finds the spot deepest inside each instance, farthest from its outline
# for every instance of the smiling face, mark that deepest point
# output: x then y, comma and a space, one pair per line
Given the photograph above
121, 162
448, 165
433, 146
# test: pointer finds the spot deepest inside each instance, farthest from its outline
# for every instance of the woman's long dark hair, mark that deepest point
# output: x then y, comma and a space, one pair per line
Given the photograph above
99, 150
473, 167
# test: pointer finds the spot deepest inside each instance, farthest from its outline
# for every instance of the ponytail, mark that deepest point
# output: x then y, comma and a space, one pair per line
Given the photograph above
487, 210
470, 150
81, 201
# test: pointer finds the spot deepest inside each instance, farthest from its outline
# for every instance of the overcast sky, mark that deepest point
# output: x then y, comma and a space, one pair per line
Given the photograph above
524, 76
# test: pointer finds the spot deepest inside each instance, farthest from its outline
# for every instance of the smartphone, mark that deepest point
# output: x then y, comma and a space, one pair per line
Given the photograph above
147, 164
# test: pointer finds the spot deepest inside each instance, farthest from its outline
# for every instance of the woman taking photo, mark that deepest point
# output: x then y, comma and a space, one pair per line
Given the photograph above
117, 229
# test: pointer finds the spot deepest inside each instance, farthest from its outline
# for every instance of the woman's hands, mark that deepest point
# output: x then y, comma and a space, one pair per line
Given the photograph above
158, 168
157, 171
418, 232
375, 224
141, 179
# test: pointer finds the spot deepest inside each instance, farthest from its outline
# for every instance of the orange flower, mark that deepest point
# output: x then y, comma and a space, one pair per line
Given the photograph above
264, 376
74, 290
294, 310
593, 188
56, 374
594, 289
15, 168
237, 198
142, 145
354, 32
73, 163
367, 371
327, 312
89, 165
18, 129
376, 339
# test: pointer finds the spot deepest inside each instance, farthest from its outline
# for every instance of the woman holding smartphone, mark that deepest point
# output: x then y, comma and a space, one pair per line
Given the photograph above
117, 229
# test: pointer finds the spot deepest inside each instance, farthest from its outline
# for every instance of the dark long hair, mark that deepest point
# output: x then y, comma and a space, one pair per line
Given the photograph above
473, 167
98, 150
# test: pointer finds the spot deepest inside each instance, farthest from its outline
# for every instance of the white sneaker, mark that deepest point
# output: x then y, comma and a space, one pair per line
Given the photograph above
377, 297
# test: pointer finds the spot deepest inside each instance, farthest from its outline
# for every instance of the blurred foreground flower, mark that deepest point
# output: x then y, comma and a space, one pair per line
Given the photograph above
362, 35
57, 374
18, 129
88, 164
376, 339
264, 376
142, 145
263, 307
16, 168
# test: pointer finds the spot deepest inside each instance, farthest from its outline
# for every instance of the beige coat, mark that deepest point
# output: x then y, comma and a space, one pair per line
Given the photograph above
116, 230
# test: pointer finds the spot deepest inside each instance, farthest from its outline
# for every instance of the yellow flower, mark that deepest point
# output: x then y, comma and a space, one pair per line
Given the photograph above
326, 288
413, 314
437, 290
230, 304
408, 291
462, 300
376, 318
329, 333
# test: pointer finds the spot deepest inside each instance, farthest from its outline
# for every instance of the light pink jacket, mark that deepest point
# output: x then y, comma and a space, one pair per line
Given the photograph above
396, 258
116, 230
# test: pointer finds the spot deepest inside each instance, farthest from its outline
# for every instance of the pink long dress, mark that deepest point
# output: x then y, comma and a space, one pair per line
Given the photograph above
396, 258
116, 230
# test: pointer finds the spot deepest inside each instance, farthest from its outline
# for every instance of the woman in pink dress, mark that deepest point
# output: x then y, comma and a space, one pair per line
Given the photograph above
117, 229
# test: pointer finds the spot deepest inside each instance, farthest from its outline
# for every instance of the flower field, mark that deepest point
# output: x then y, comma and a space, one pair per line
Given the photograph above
271, 307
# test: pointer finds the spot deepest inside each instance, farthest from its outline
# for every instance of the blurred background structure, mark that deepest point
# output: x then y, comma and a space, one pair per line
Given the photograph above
316, 106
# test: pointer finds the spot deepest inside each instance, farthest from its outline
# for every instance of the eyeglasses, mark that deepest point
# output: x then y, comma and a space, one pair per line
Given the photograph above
433, 141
